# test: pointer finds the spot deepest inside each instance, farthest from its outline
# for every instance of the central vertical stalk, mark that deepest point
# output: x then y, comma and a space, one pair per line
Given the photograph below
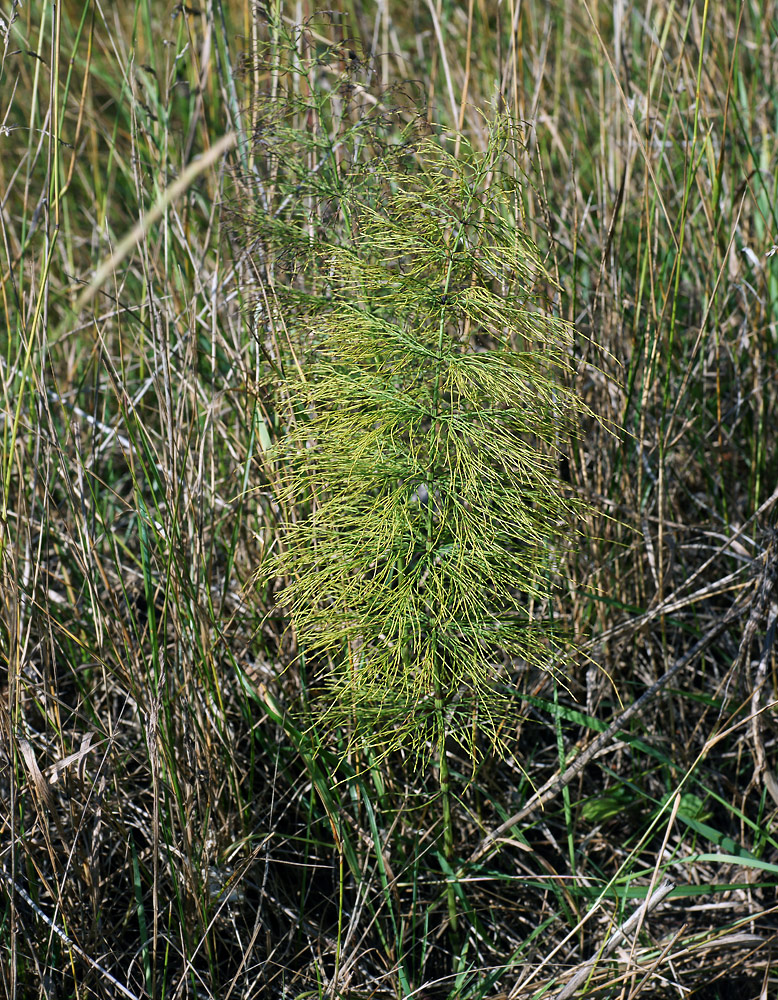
440, 718
445, 795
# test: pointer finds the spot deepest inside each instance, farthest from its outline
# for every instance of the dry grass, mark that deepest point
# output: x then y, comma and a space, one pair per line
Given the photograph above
167, 829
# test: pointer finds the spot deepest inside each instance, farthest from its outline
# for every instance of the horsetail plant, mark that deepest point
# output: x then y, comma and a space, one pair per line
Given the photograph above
417, 461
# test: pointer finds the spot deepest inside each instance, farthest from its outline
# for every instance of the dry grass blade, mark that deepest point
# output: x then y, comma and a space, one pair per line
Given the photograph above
19, 891
558, 783
619, 936
142, 227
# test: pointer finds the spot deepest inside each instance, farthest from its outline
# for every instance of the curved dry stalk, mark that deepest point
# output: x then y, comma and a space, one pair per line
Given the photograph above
630, 924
